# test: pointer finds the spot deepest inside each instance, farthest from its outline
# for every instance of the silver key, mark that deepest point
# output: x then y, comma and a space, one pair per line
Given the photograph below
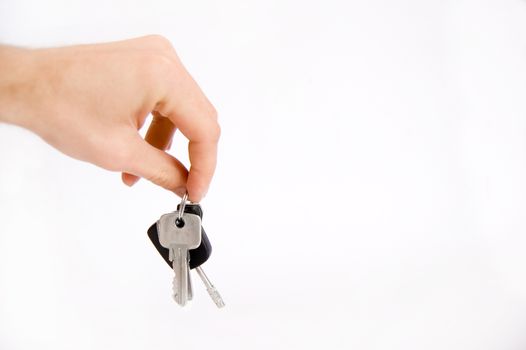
212, 291
179, 238
190, 288
175, 288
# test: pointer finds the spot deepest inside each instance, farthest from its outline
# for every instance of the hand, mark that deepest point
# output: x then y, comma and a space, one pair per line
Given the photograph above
89, 101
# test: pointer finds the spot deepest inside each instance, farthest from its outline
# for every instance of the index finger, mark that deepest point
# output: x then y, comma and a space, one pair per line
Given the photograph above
193, 114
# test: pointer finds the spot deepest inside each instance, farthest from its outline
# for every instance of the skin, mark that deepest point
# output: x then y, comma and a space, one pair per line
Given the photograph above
89, 102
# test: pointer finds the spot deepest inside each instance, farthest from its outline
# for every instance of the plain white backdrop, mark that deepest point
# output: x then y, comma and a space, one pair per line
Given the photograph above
370, 192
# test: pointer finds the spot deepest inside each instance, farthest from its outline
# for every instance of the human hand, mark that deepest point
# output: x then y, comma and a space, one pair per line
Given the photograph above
89, 102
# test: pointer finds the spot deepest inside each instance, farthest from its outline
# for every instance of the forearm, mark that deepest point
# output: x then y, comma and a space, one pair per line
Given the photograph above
16, 79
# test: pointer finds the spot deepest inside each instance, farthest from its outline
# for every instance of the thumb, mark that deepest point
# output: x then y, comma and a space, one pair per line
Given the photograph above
157, 166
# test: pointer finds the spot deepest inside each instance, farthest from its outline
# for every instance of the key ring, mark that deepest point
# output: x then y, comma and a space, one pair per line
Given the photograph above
182, 206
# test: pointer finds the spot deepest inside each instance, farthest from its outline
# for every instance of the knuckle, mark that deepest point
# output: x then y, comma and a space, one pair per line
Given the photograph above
212, 112
158, 66
214, 132
160, 42
214, 129
159, 61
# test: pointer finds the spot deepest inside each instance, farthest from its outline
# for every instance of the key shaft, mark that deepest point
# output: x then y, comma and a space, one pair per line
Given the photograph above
210, 288
180, 266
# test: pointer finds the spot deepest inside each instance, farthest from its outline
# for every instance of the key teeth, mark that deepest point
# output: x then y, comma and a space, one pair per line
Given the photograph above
216, 297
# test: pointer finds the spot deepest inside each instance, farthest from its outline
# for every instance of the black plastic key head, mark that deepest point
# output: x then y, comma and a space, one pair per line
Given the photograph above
199, 255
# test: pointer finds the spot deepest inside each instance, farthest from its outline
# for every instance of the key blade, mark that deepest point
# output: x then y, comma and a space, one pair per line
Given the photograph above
212, 291
190, 287
180, 266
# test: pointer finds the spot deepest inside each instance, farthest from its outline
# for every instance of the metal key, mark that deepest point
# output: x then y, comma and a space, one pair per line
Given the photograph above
190, 288
197, 256
200, 256
175, 288
212, 291
180, 232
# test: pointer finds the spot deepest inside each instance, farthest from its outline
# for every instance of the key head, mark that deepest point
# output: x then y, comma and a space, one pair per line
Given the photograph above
199, 255
179, 233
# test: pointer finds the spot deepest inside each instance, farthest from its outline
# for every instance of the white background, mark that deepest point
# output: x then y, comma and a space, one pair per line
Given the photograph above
370, 192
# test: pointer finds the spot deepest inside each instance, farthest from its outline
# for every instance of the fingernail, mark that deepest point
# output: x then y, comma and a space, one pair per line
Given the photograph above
132, 182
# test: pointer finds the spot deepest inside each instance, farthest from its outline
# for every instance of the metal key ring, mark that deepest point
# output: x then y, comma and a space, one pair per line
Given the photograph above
182, 206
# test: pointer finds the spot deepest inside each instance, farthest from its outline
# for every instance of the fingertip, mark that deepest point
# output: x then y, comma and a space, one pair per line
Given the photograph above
196, 193
129, 179
194, 199
203, 159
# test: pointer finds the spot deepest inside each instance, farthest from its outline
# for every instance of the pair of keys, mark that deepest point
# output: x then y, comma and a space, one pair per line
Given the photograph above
181, 240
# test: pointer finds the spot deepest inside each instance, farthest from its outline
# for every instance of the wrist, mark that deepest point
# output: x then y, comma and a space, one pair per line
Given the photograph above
16, 81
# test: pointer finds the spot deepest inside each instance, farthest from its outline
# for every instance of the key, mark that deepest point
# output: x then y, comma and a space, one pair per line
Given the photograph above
210, 288
190, 288
180, 233
198, 256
